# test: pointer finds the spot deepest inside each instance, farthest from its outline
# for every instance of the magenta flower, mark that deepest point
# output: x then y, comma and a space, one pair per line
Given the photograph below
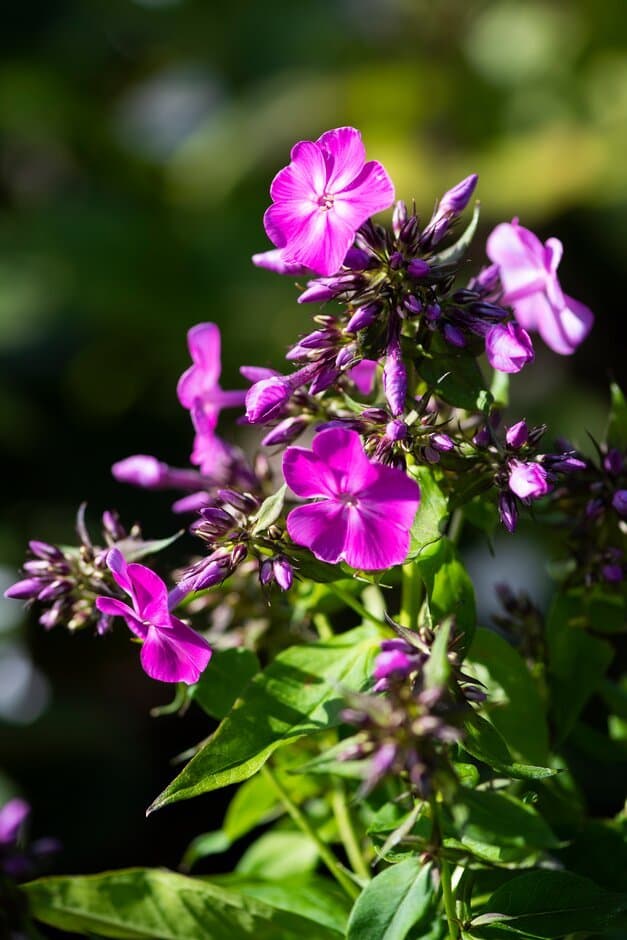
508, 347
527, 480
363, 375
322, 197
199, 386
528, 273
171, 651
13, 815
364, 510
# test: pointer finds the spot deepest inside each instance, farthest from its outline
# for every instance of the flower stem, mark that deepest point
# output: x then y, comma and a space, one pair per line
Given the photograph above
303, 823
449, 900
347, 831
411, 595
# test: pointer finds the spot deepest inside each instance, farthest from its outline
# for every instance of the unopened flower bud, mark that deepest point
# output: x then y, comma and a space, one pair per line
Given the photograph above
363, 317
442, 442
412, 304
24, 590
266, 572
613, 461
453, 336
395, 378
517, 435
45, 551
619, 502
140, 470
356, 259
418, 268
482, 437
283, 572
396, 430
399, 217
396, 260
390, 663
266, 399
507, 511
285, 432
527, 480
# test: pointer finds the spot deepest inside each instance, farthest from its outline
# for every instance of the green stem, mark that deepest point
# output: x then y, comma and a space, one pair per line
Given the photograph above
347, 831
353, 603
323, 626
411, 595
303, 823
449, 900
456, 525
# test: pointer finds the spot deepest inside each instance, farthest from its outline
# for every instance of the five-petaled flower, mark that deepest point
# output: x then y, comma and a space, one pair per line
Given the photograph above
364, 510
322, 197
528, 273
171, 651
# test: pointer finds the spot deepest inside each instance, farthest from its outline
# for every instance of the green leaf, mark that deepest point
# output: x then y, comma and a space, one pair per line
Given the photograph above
279, 854
514, 703
208, 843
548, 904
399, 900
457, 379
269, 511
457, 251
315, 898
300, 693
483, 741
253, 803
617, 427
500, 819
432, 511
577, 661
437, 669
449, 588
151, 904
135, 551
223, 681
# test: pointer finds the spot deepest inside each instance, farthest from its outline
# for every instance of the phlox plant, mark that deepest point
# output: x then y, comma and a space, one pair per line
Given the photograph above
407, 772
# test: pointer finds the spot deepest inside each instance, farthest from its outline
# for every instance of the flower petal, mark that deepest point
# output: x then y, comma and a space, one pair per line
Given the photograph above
363, 375
115, 608
200, 379
520, 256
116, 563
344, 155
577, 320
307, 475
372, 191
342, 450
304, 178
149, 594
374, 541
320, 527
175, 654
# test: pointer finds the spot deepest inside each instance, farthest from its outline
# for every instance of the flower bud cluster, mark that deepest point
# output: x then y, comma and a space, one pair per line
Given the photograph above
407, 725
65, 581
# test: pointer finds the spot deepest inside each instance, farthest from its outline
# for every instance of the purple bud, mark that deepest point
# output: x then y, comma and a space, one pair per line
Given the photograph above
383, 759
376, 415
392, 662
266, 399
396, 260
508, 512
356, 259
326, 288
257, 373
53, 590
453, 336
508, 347
219, 519
409, 230
517, 435
51, 617
395, 378
613, 461
612, 573
619, 502
418, 268
412, 304
112, 526
487, 281
433, 312
527, 480
442, 442
103, 624
45, 551
141, 470
191, 503
324, 378
12, 817
243, 502
396, 430
285, 432
594, 509
24, 590
399, 217
363, 317
345, 357
266, 572
283, 572
238, 554
565, 464
37, 568
431, 455
273, 261
482, 437
455, 200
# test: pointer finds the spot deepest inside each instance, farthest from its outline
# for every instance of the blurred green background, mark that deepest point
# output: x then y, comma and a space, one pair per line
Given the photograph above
138, 139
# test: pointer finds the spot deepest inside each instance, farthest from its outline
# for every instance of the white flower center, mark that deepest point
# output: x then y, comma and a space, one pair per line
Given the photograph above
326, 201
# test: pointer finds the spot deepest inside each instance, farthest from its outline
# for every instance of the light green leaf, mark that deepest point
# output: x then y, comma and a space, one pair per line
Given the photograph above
152, 904
449, 588
547, 904
617, 426
500, 819
513, 702
269, 511
208, 843
223, 681
483, 741
457, 251
279, 854
437, 669
135, 551
300, 693
432, 511
253, 803
395, 905
315, 898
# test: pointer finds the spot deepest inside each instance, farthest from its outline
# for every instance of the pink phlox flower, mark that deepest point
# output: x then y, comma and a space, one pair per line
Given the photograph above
322, 197
363, 511
363, 375
171, 651
508, 347
528, 273
199, 386
528, 480
13, 815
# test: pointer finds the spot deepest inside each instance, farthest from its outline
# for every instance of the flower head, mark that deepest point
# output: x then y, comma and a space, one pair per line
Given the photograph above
528, 480
364, 511
322, 197
171, 651
508, 347
528, 273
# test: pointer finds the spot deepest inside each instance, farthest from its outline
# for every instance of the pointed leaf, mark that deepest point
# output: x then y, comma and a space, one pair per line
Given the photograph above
270, 510
398, 901
223, 681
432, 511
457, 251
